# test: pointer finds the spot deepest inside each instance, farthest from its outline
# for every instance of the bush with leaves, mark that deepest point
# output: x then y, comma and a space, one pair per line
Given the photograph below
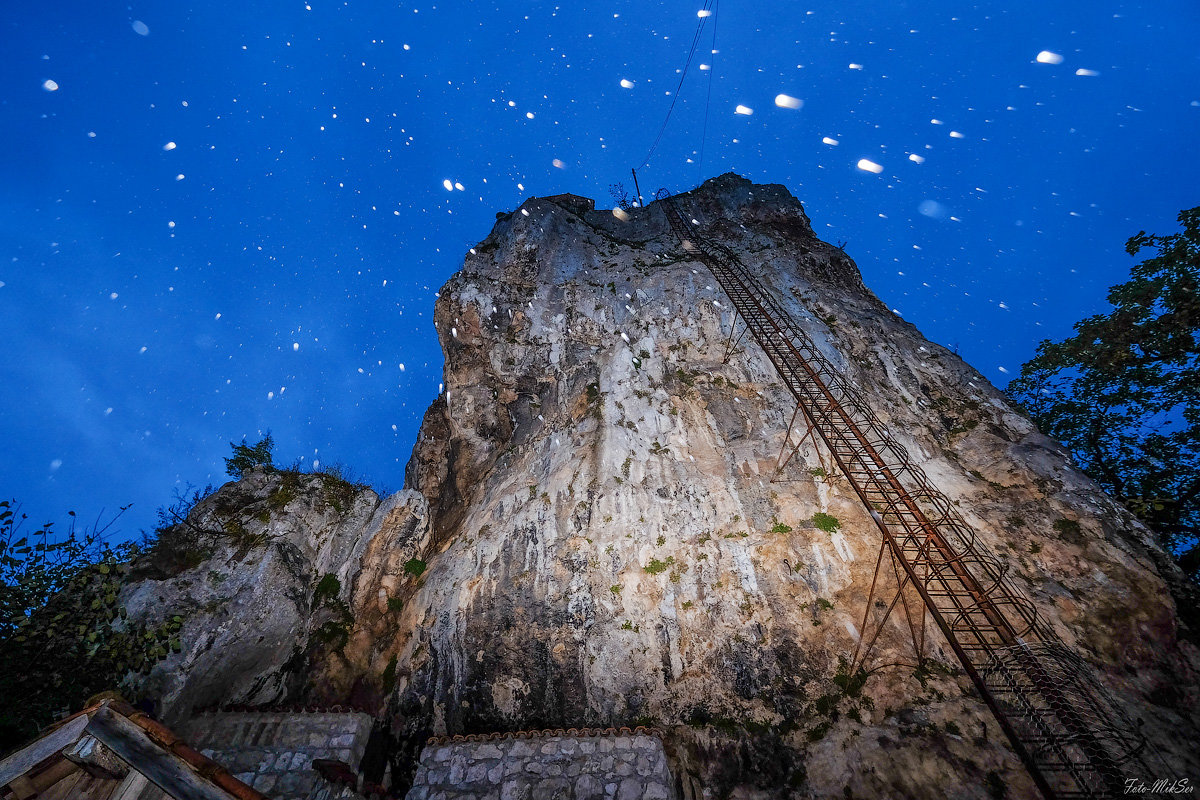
1123, 393
247, 457
64, 636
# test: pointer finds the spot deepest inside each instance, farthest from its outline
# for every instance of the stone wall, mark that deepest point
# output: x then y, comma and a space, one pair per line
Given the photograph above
587, 765
273, 751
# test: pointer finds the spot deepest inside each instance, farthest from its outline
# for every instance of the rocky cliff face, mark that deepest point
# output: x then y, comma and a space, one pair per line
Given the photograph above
592, 532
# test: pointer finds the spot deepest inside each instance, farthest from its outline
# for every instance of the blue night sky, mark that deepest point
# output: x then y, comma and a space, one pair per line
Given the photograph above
219, 219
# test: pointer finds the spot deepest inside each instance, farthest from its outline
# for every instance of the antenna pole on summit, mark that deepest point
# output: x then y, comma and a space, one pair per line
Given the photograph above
636, 190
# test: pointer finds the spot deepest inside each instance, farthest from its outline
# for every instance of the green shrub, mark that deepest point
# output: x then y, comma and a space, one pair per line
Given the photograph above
826, 522
781, 528
242, 538
285, 492
247, 457
817, 732
414, 567
328, 588
333, 634
655, 566
339, 492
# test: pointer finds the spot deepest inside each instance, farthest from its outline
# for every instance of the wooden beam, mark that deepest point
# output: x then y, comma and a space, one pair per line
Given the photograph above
38, 751
165, 769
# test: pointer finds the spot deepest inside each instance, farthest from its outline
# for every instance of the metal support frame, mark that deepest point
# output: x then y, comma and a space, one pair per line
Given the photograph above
731, 344
810, 432
1070, 733
916, 627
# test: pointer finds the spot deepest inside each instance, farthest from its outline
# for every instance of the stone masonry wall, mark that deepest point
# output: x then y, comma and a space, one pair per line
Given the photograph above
273, 751
616, 765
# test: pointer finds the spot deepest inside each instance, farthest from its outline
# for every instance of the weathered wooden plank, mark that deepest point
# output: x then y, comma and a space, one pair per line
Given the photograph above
22, 788
71, 787
59, 769
131, 788
152, 792
29, 757
162, 767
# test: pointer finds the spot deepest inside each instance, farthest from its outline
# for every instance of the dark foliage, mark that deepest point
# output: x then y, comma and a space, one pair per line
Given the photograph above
620, 196
64, 636
177, 544
1123, 393
246, 457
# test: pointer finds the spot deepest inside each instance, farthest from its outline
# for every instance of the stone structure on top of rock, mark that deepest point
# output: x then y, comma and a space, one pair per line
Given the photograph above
591, 532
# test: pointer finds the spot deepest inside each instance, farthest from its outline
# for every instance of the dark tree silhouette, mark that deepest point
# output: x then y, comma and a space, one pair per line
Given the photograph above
64, 635
1123, 393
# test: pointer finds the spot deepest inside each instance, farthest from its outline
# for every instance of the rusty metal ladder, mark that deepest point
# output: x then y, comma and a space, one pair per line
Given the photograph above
1072, 736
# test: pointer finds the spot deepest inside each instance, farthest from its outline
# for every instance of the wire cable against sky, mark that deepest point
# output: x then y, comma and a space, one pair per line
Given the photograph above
712, 68
704, 14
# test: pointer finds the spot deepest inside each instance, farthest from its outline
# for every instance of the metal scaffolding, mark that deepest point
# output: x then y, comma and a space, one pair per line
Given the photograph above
1070, 733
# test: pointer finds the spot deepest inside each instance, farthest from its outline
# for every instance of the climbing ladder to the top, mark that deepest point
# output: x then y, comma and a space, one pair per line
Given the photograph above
1072, 736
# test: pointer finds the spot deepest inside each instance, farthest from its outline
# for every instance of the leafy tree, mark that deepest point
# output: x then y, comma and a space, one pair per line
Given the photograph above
1123, 393
246, 457
64, 636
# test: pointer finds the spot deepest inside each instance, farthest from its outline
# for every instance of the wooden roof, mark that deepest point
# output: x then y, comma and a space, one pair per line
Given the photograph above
112, 751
